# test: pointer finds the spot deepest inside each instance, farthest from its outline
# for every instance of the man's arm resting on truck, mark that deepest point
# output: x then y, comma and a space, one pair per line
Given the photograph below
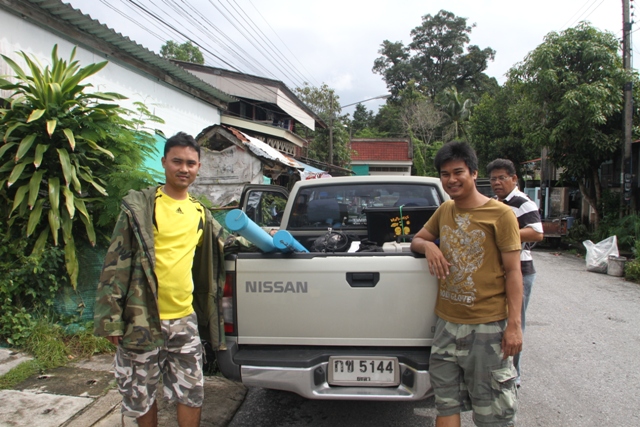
512, 338
422, 243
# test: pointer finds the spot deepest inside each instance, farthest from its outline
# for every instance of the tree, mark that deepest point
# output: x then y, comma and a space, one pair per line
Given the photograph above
388, 122
571, 101
457, 109
494, 133
62, 149
436, 58
362, 119
182, 52
325, 103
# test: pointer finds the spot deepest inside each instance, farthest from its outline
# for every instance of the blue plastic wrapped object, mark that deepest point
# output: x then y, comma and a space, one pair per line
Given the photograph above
238, 222
285, 242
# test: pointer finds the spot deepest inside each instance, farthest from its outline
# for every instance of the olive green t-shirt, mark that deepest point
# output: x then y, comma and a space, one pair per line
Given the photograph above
472, 240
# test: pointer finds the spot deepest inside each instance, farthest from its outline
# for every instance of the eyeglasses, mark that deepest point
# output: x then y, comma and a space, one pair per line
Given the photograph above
500, 178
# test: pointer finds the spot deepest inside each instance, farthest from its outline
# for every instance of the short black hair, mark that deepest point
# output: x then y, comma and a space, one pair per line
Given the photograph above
456, 150
181, 139
505, 164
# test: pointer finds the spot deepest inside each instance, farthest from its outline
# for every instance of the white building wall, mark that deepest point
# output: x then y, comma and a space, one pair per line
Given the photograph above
179, 110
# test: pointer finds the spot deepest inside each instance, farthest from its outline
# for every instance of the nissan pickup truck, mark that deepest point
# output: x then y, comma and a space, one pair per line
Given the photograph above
336, 322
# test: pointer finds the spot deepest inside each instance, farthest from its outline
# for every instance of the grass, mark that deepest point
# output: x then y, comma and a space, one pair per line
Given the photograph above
52, 347
19, 374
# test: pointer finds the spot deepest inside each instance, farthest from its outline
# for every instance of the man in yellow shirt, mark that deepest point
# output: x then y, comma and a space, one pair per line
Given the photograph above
479, 298
146, 291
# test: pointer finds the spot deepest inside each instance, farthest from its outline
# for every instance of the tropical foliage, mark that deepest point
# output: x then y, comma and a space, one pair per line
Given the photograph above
62, 148
571, 101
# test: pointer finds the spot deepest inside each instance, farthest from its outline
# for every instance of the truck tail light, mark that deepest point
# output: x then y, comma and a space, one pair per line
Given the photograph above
227, 305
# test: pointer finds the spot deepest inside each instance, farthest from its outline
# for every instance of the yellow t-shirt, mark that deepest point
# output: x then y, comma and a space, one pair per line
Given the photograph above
472, 240
178, 229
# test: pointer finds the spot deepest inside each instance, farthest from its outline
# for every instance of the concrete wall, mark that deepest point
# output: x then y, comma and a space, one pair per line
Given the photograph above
179, 110
224, 173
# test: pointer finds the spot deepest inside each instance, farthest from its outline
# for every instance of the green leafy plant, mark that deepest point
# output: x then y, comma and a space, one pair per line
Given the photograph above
627, 229
632, 267
62, 147
28, 284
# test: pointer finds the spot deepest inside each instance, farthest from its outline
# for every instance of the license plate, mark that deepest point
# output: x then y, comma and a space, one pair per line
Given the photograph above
364, 371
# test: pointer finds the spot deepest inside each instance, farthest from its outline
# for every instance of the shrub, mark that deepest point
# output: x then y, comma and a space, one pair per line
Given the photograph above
28, 284
632, 267
62, 146
626, 228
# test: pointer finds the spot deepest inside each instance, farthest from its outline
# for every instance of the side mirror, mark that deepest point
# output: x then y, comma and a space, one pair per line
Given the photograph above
264, 206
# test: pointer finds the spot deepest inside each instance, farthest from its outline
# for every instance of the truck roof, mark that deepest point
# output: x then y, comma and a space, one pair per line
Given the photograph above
387, 179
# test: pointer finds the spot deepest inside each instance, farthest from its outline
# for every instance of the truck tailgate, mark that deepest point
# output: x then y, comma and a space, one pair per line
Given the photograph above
335, 299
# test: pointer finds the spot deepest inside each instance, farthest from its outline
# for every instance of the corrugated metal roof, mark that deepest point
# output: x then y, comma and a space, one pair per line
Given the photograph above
93, 27
262, 149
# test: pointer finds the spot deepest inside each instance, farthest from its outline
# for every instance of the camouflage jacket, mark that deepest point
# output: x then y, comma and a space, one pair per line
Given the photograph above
126, 301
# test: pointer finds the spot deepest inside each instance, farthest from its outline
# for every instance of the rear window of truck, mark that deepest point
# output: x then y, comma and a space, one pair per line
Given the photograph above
342, 206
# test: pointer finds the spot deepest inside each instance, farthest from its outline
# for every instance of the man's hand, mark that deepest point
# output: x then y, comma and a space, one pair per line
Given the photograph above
422, 243
511, 340
115, 340
438, 264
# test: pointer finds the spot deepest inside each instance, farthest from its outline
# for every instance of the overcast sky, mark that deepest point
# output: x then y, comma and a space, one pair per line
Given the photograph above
336, 41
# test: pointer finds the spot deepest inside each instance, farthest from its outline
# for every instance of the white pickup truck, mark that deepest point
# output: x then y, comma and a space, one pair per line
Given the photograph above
336, 324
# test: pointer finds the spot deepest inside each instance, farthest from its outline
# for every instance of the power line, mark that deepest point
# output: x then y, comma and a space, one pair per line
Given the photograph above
181, 33
204, 29
594, 9
248, 90
283, 43
579, 10
270, 44
245, 35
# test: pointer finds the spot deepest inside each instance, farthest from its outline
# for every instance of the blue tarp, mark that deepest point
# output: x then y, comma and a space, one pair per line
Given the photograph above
309, 168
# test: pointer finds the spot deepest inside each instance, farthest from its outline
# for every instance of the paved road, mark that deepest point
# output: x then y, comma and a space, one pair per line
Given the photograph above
581, 365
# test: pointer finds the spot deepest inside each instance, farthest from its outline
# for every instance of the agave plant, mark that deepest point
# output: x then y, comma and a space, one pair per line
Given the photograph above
58, 147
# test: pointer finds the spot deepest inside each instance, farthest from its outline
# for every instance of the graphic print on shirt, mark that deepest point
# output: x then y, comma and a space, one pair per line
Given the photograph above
463, 249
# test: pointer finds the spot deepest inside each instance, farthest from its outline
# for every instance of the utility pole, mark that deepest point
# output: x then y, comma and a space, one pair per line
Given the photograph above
627, 170
331, 129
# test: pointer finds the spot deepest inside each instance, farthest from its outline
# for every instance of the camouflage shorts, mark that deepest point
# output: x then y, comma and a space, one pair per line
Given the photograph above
179, 363
468, 373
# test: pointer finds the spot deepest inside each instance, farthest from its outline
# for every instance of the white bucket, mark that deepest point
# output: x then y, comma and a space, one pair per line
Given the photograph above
615, 265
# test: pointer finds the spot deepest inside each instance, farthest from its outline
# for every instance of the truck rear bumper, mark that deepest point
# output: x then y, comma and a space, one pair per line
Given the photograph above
303, 370
310, 383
